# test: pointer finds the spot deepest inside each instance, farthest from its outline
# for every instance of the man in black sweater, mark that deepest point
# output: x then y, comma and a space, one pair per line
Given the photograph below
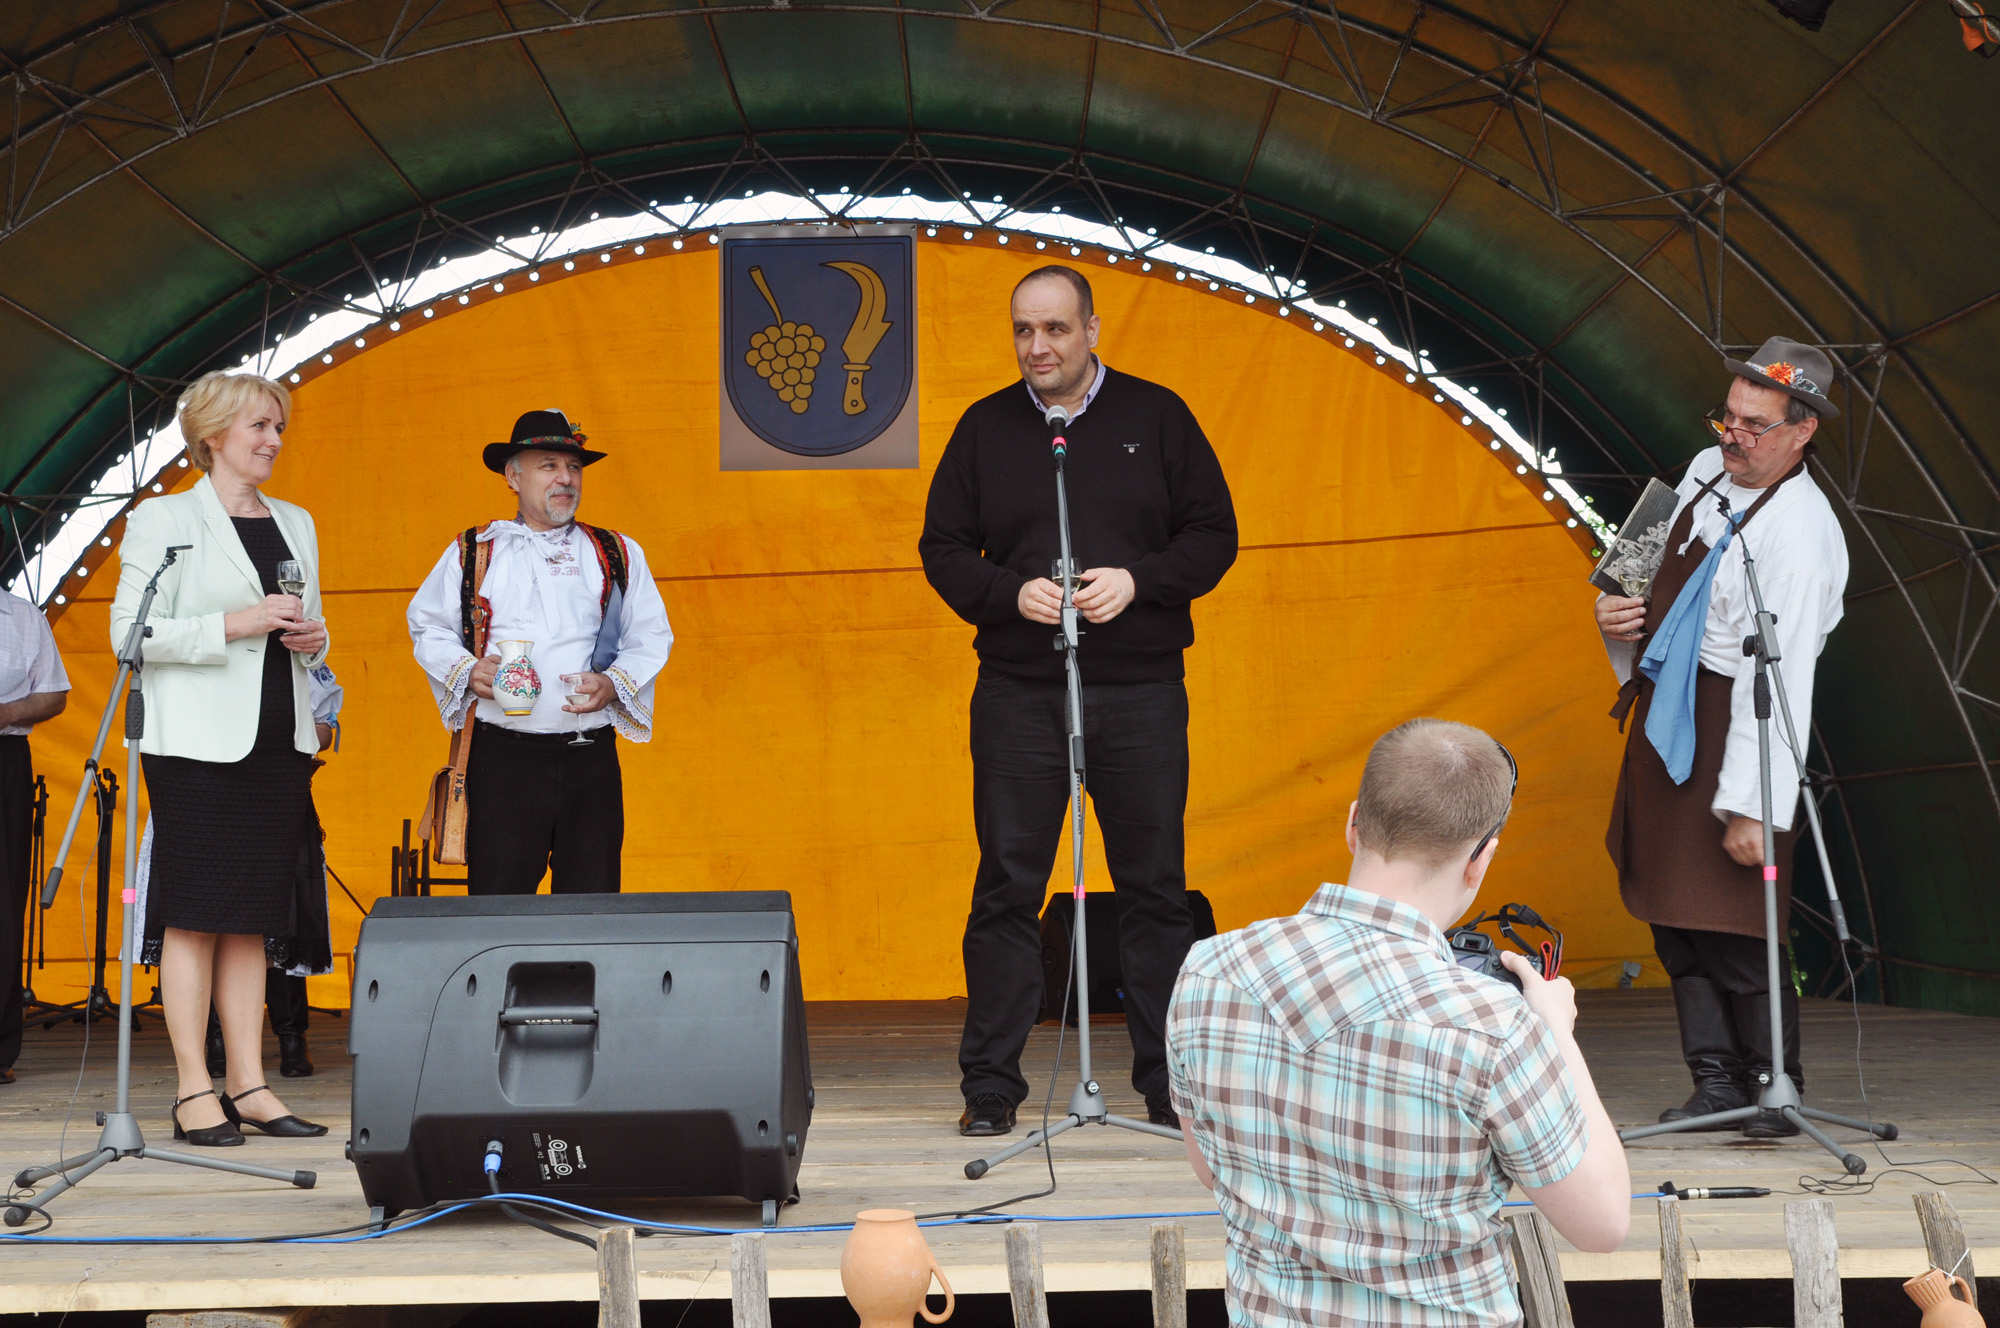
1152, 524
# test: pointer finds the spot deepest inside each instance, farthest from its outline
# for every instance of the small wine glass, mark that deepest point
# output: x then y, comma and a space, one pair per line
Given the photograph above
292, 578
573, 690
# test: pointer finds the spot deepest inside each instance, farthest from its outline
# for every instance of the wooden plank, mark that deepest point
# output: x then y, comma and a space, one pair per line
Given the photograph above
749, 1281
1169, 1275
1944, 1239
1544, 1300
617, 1280
1815, 1263
1676, 1300
1024, 1276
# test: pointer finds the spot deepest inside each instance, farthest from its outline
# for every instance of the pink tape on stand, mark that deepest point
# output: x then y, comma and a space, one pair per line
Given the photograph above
129, 896
1770, 873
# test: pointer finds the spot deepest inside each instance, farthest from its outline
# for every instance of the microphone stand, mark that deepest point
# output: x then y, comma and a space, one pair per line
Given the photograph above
121, 1138
1779, 1093
1086, 1100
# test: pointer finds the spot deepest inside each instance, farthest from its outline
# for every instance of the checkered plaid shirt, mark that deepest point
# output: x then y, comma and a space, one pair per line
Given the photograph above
1362, 1102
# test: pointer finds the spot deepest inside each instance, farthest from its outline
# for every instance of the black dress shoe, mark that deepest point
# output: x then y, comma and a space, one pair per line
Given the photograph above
283, 1127
1769, 1125
1709, 1097
293, 1062
7, 1074
225, 1135
1160, 1111
987, 1114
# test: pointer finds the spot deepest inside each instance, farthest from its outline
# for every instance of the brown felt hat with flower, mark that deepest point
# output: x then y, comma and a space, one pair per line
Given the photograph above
542, 431
1794, 368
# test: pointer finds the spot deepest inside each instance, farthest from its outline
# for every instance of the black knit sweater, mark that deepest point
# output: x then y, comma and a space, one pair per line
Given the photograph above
1146, 493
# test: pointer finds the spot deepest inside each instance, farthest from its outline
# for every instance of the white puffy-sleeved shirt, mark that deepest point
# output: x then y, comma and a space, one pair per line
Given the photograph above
1801, 560
29, 664
545, 587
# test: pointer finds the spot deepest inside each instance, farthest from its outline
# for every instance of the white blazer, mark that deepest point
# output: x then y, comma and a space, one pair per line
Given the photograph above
203, 693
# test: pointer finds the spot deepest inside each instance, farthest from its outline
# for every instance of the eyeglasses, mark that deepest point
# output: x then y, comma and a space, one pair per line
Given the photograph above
1513, 783
1720, 424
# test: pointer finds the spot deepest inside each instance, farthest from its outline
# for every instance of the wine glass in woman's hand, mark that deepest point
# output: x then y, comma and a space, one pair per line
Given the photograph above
292, 578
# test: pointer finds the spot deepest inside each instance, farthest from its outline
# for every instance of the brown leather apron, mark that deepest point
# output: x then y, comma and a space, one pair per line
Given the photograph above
1664, 838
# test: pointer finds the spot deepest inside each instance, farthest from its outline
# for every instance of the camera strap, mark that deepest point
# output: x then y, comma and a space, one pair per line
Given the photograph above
1506, 916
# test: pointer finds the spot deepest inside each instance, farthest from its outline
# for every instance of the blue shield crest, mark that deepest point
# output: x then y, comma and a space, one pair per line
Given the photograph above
818, 338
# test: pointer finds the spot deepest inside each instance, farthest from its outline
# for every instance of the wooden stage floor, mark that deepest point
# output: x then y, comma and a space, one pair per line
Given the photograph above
884, 1136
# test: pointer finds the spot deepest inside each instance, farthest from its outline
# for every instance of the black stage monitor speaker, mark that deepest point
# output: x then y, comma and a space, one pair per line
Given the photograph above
1107, 982
618, 1046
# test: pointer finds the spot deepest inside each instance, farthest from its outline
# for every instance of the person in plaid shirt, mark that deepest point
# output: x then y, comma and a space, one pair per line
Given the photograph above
1359, 1103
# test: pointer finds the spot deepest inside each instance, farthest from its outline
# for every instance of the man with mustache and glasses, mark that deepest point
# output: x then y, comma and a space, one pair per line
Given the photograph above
543, 789
1686, 826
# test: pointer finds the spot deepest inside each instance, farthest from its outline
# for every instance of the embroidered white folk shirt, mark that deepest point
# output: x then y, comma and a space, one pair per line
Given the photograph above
29, 663
545, 587
1802, 567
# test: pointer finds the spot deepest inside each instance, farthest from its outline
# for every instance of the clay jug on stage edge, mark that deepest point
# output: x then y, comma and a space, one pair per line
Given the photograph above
516, 685
886, 1268
1932, 1292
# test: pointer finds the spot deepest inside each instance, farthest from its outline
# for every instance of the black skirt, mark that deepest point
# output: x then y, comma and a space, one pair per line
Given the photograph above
235, 844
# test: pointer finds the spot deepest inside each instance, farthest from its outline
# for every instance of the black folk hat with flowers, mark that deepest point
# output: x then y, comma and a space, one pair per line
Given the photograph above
1792, 367
542, 431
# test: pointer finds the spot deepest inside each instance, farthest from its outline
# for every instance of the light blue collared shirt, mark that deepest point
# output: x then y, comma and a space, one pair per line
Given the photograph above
1088, 397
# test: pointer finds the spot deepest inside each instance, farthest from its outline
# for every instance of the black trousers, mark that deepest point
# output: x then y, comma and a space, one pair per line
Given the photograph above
1739, 969
17, 819
535, 804
1737, 964
1136, 773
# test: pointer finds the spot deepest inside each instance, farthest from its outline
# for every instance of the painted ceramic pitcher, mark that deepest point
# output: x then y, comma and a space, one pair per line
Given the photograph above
886, 1269
516, 685
1932, 1292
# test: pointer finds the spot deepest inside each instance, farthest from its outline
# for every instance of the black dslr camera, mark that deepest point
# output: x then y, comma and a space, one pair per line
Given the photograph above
1474, 949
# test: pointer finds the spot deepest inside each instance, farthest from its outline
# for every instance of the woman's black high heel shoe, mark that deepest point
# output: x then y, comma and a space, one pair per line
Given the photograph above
225, 1135
283, 1127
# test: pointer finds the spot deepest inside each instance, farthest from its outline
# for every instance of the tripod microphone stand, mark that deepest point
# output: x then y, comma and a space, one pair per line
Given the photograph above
1779, 1093
121, 1137
1086, 1100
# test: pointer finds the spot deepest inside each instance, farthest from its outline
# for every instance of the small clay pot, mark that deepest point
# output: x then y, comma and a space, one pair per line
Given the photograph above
1941, 1309
886, 1270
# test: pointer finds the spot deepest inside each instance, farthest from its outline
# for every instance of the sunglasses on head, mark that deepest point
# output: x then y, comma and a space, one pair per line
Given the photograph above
1513, 783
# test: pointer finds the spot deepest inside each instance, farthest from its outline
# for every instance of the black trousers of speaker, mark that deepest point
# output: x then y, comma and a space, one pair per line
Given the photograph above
618, 1046
1107, 983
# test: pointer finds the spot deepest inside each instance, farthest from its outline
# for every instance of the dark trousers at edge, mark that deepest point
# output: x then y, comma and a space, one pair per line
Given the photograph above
535, 804
17, 815
1136, 773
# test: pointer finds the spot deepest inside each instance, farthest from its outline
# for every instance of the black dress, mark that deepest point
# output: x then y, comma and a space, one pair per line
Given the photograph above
234, 842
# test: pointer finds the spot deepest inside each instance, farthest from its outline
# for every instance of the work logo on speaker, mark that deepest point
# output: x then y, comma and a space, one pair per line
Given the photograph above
818, 351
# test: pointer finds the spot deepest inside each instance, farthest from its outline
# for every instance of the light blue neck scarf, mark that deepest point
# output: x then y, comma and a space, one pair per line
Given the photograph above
1673, 657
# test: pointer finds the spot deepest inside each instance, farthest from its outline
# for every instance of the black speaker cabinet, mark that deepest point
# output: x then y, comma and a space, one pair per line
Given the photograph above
636, 1046
1107, 982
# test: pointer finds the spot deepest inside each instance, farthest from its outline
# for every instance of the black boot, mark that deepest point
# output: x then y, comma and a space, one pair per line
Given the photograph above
217, 1063
285, 997
1708, 1044
1753, 1030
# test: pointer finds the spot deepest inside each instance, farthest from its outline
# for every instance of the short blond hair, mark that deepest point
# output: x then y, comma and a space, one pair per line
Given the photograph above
212, 404
1430, 789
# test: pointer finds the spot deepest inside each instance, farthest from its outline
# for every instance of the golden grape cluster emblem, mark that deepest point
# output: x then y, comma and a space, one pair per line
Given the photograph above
785, 354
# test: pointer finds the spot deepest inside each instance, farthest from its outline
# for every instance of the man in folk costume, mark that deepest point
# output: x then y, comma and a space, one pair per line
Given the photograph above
542, 784
1686, 826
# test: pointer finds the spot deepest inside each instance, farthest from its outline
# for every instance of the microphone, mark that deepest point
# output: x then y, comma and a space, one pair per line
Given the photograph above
1057, 418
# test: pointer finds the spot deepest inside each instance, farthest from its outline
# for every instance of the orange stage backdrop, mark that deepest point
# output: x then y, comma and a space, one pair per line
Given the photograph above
812, 723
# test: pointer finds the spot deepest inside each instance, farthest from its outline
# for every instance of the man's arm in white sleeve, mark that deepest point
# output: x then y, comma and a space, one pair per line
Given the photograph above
1801, 604
645, 640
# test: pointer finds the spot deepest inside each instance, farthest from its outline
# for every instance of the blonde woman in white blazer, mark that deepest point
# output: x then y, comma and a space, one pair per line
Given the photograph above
228, 745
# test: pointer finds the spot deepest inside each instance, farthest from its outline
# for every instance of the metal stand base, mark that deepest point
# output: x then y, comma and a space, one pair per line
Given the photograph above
121, 1139
1086, 1107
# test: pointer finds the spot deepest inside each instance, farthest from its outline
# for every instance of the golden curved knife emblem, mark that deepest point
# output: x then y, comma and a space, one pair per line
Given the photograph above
865, 334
